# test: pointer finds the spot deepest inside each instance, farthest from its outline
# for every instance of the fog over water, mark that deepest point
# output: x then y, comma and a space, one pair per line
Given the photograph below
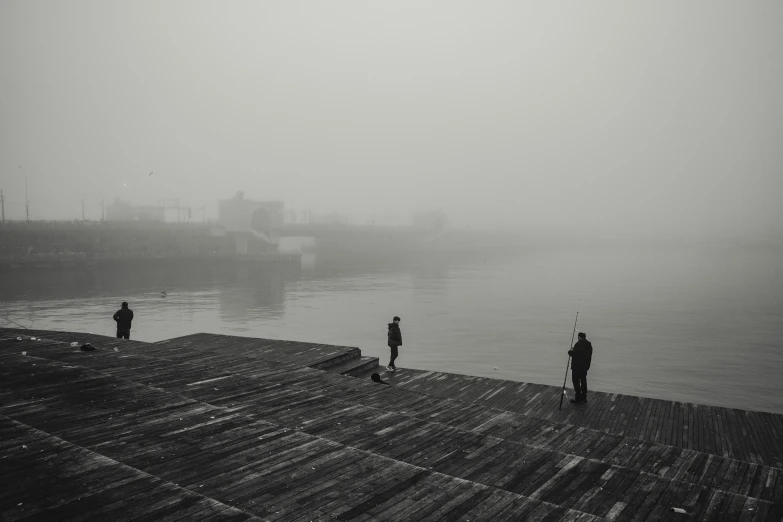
601, 119
629, 153
706, 331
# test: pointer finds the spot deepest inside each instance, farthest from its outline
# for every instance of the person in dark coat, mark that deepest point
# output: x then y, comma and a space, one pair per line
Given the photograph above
123, 317
395, 341
581, 355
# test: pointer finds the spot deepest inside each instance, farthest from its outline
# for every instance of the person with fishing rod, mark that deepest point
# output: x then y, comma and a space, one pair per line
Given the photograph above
581, 356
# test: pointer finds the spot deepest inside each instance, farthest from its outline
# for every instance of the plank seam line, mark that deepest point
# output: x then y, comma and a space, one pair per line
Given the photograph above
563, 425
499, 411
452, 477
566, 424
495, 439
448, 399
351, 405
252, 421
366, 452
209, 380
104, 458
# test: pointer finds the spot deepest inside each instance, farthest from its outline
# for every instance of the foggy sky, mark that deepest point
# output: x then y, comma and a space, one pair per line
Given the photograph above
650, 117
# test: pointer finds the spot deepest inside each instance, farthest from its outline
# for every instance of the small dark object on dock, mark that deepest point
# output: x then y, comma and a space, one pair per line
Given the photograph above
87, 347
377, 378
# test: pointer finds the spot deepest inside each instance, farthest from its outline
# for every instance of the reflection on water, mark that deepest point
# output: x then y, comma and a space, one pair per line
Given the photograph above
264, 294
692, 325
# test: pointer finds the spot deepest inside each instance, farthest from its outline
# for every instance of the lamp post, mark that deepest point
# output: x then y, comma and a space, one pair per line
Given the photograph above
26, 199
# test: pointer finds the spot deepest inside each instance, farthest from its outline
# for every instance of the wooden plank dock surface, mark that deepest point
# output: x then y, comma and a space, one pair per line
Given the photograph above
219, 427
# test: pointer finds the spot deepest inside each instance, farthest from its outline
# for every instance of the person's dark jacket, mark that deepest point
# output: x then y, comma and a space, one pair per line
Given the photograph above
123, 316
582, 355
395, 335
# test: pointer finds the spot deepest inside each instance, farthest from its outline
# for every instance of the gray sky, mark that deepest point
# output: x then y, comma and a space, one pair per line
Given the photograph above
599, 117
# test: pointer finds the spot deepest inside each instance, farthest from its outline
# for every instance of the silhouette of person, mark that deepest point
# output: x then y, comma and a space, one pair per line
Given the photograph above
395, 341
123, 317
582, 355
377, 378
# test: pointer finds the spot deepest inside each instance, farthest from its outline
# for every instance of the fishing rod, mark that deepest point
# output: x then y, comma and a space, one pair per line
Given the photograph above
568, 363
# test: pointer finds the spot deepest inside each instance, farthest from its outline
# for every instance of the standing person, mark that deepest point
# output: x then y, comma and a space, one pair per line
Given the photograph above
123, 318
581, 354
395, 341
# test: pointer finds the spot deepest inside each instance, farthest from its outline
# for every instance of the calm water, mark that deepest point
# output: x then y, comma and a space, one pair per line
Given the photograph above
694, 324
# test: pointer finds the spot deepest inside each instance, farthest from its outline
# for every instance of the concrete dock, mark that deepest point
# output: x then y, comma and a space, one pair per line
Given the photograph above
215, 427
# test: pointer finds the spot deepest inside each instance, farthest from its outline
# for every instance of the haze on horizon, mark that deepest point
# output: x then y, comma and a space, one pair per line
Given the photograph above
591, 119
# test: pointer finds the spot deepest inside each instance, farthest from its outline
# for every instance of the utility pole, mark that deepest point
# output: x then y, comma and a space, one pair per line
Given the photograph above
102, 216
82, 209
26, 198
2, 204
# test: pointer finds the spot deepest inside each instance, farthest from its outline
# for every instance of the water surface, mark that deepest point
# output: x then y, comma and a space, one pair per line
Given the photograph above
687, 324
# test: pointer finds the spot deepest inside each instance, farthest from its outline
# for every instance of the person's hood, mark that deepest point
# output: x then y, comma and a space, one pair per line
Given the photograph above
392, 325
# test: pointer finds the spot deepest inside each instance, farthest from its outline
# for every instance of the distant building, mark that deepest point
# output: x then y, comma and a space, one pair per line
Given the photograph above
124, 211
254, 224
